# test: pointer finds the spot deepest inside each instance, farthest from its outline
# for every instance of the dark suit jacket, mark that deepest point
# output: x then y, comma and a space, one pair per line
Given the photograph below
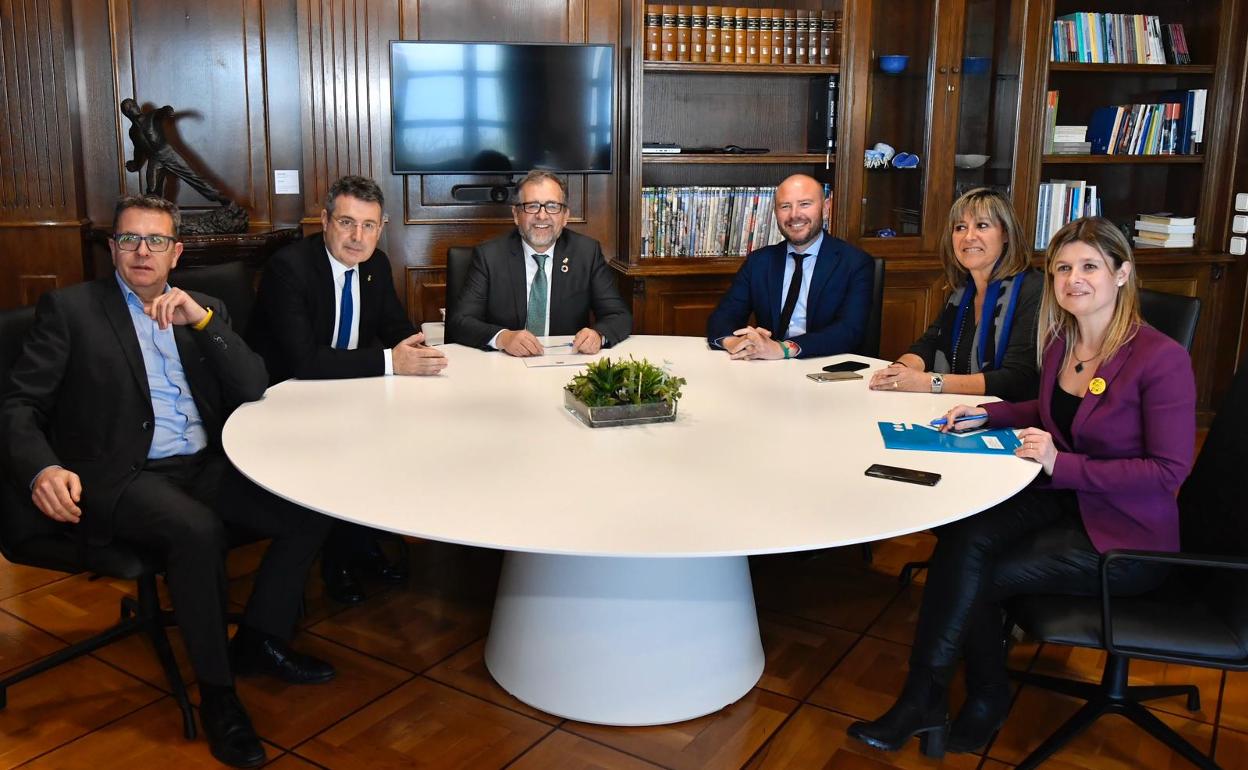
1132, 446
495, 298
836, 307
293, 321
78, 394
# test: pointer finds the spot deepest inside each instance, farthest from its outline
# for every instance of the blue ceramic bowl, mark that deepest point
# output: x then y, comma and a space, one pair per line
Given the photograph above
976, 65
894, 62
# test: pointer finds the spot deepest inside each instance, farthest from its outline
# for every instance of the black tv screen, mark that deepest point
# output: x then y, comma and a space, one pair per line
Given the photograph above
501, 108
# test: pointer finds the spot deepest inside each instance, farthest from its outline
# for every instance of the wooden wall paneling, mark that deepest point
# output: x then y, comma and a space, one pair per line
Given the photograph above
41, 203
161, 46
425, 293
913, 296
284, 136
673, 304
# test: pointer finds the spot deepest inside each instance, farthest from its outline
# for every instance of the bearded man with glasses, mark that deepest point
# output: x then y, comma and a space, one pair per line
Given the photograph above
539, 280
113, 416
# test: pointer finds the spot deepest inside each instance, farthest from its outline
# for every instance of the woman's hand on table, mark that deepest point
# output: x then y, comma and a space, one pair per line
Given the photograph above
964, 410
898, 376
1037, 445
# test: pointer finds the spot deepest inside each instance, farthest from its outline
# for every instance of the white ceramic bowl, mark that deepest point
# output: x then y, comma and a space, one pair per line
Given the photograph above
970, 161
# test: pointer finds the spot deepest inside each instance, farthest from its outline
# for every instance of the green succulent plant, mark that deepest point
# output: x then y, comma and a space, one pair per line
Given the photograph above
612, 383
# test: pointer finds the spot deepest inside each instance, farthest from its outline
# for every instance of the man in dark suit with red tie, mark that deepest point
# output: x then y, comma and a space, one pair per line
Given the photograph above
539, 280
113, 416
327, 309
810, 295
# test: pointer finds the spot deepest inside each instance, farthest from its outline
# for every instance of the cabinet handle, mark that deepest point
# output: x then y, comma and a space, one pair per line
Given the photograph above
941, 70
954, 70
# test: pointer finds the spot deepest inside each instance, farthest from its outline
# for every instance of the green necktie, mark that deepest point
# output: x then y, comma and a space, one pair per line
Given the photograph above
536, 322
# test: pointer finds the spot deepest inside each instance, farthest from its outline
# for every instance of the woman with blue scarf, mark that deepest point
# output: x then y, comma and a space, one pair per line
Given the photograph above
984, 342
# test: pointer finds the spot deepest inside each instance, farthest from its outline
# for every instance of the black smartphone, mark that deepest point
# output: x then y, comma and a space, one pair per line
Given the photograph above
846, 366
926, 478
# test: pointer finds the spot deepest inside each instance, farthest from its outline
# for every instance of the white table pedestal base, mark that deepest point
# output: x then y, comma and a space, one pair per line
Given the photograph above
625, 641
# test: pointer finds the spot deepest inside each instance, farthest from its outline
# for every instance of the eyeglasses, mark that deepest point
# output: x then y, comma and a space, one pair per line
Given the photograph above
130, 241
551, 207
348, 224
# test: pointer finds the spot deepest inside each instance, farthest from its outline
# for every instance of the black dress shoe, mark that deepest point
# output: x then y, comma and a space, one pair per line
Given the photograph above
272, 656
341, 585
231, 738
921, 710
982, 715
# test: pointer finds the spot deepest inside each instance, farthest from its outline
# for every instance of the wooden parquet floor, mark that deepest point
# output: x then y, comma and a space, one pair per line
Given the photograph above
412, 689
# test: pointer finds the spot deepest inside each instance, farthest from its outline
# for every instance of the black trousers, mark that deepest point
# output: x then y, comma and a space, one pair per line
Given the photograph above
179, 507
1033, 543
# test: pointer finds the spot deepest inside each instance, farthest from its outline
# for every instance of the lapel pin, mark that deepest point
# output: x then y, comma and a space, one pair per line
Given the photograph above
368, 278
1097, 386
564, 269
565, 260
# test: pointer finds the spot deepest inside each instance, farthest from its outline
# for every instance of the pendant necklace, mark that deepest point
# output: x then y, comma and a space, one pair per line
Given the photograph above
1080, 362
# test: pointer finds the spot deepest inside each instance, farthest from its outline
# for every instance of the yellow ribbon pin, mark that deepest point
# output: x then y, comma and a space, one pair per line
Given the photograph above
1097, 386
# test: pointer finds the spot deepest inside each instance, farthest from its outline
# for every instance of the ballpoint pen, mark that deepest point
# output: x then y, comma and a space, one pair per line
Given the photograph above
964, 418
560, 345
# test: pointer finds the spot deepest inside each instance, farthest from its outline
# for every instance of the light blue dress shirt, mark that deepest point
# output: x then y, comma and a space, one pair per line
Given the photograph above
797, 324
178, 427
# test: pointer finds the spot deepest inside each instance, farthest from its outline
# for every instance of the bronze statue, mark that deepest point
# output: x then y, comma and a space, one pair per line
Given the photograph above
151, 147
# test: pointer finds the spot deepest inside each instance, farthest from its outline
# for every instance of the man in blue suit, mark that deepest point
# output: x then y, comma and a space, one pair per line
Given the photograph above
810, 294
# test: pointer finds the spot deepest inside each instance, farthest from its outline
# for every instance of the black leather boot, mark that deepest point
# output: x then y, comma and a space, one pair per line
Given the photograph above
922, 710
980, 717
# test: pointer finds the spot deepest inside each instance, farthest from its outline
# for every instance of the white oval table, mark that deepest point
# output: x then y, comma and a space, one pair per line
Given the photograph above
625, 596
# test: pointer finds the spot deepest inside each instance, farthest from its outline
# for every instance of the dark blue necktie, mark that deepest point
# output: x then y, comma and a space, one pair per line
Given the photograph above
345, 309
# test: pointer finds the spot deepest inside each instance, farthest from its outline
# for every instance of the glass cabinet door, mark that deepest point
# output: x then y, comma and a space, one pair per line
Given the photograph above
896, 159
988, 104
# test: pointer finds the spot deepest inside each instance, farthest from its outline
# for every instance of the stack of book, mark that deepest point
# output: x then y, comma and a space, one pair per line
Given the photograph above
1165, 230
1062, 201
729, 35
1118, 38
706, 221
1175, 127
1070, 140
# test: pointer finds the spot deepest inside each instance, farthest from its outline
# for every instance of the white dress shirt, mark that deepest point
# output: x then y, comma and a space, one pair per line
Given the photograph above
530, 272
339, 272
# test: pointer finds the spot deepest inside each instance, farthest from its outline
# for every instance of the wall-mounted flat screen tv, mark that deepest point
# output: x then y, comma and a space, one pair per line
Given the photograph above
501, 108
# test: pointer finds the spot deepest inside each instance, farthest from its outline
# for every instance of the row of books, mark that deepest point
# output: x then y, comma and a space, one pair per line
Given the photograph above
706, 221
1173, 127
728, 35
1165, 230
1118, 38
1062, 201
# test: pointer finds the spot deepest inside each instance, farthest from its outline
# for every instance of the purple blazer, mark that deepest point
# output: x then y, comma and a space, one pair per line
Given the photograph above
1132, 446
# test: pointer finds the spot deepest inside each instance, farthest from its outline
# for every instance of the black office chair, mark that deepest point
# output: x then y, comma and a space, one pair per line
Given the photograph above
234, 283
870, 345
458, 260
1171, 314
30, 538
1198, 617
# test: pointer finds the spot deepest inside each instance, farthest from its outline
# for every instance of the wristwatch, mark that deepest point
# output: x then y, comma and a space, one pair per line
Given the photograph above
938, 382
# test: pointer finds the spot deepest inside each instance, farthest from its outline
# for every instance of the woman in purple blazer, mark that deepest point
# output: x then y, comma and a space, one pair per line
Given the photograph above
1114, 430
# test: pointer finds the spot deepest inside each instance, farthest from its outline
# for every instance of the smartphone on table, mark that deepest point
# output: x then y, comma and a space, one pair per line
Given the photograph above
846, 366
909, 475
833, 376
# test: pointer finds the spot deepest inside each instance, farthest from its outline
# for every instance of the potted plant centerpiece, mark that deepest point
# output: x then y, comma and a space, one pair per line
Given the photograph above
623, 392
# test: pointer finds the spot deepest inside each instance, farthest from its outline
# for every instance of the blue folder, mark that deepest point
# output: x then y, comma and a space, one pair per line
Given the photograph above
901, 435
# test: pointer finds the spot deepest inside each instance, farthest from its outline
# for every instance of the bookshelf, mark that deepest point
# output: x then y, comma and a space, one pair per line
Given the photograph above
701, 104
957, 98
1130, 185
1197, 185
